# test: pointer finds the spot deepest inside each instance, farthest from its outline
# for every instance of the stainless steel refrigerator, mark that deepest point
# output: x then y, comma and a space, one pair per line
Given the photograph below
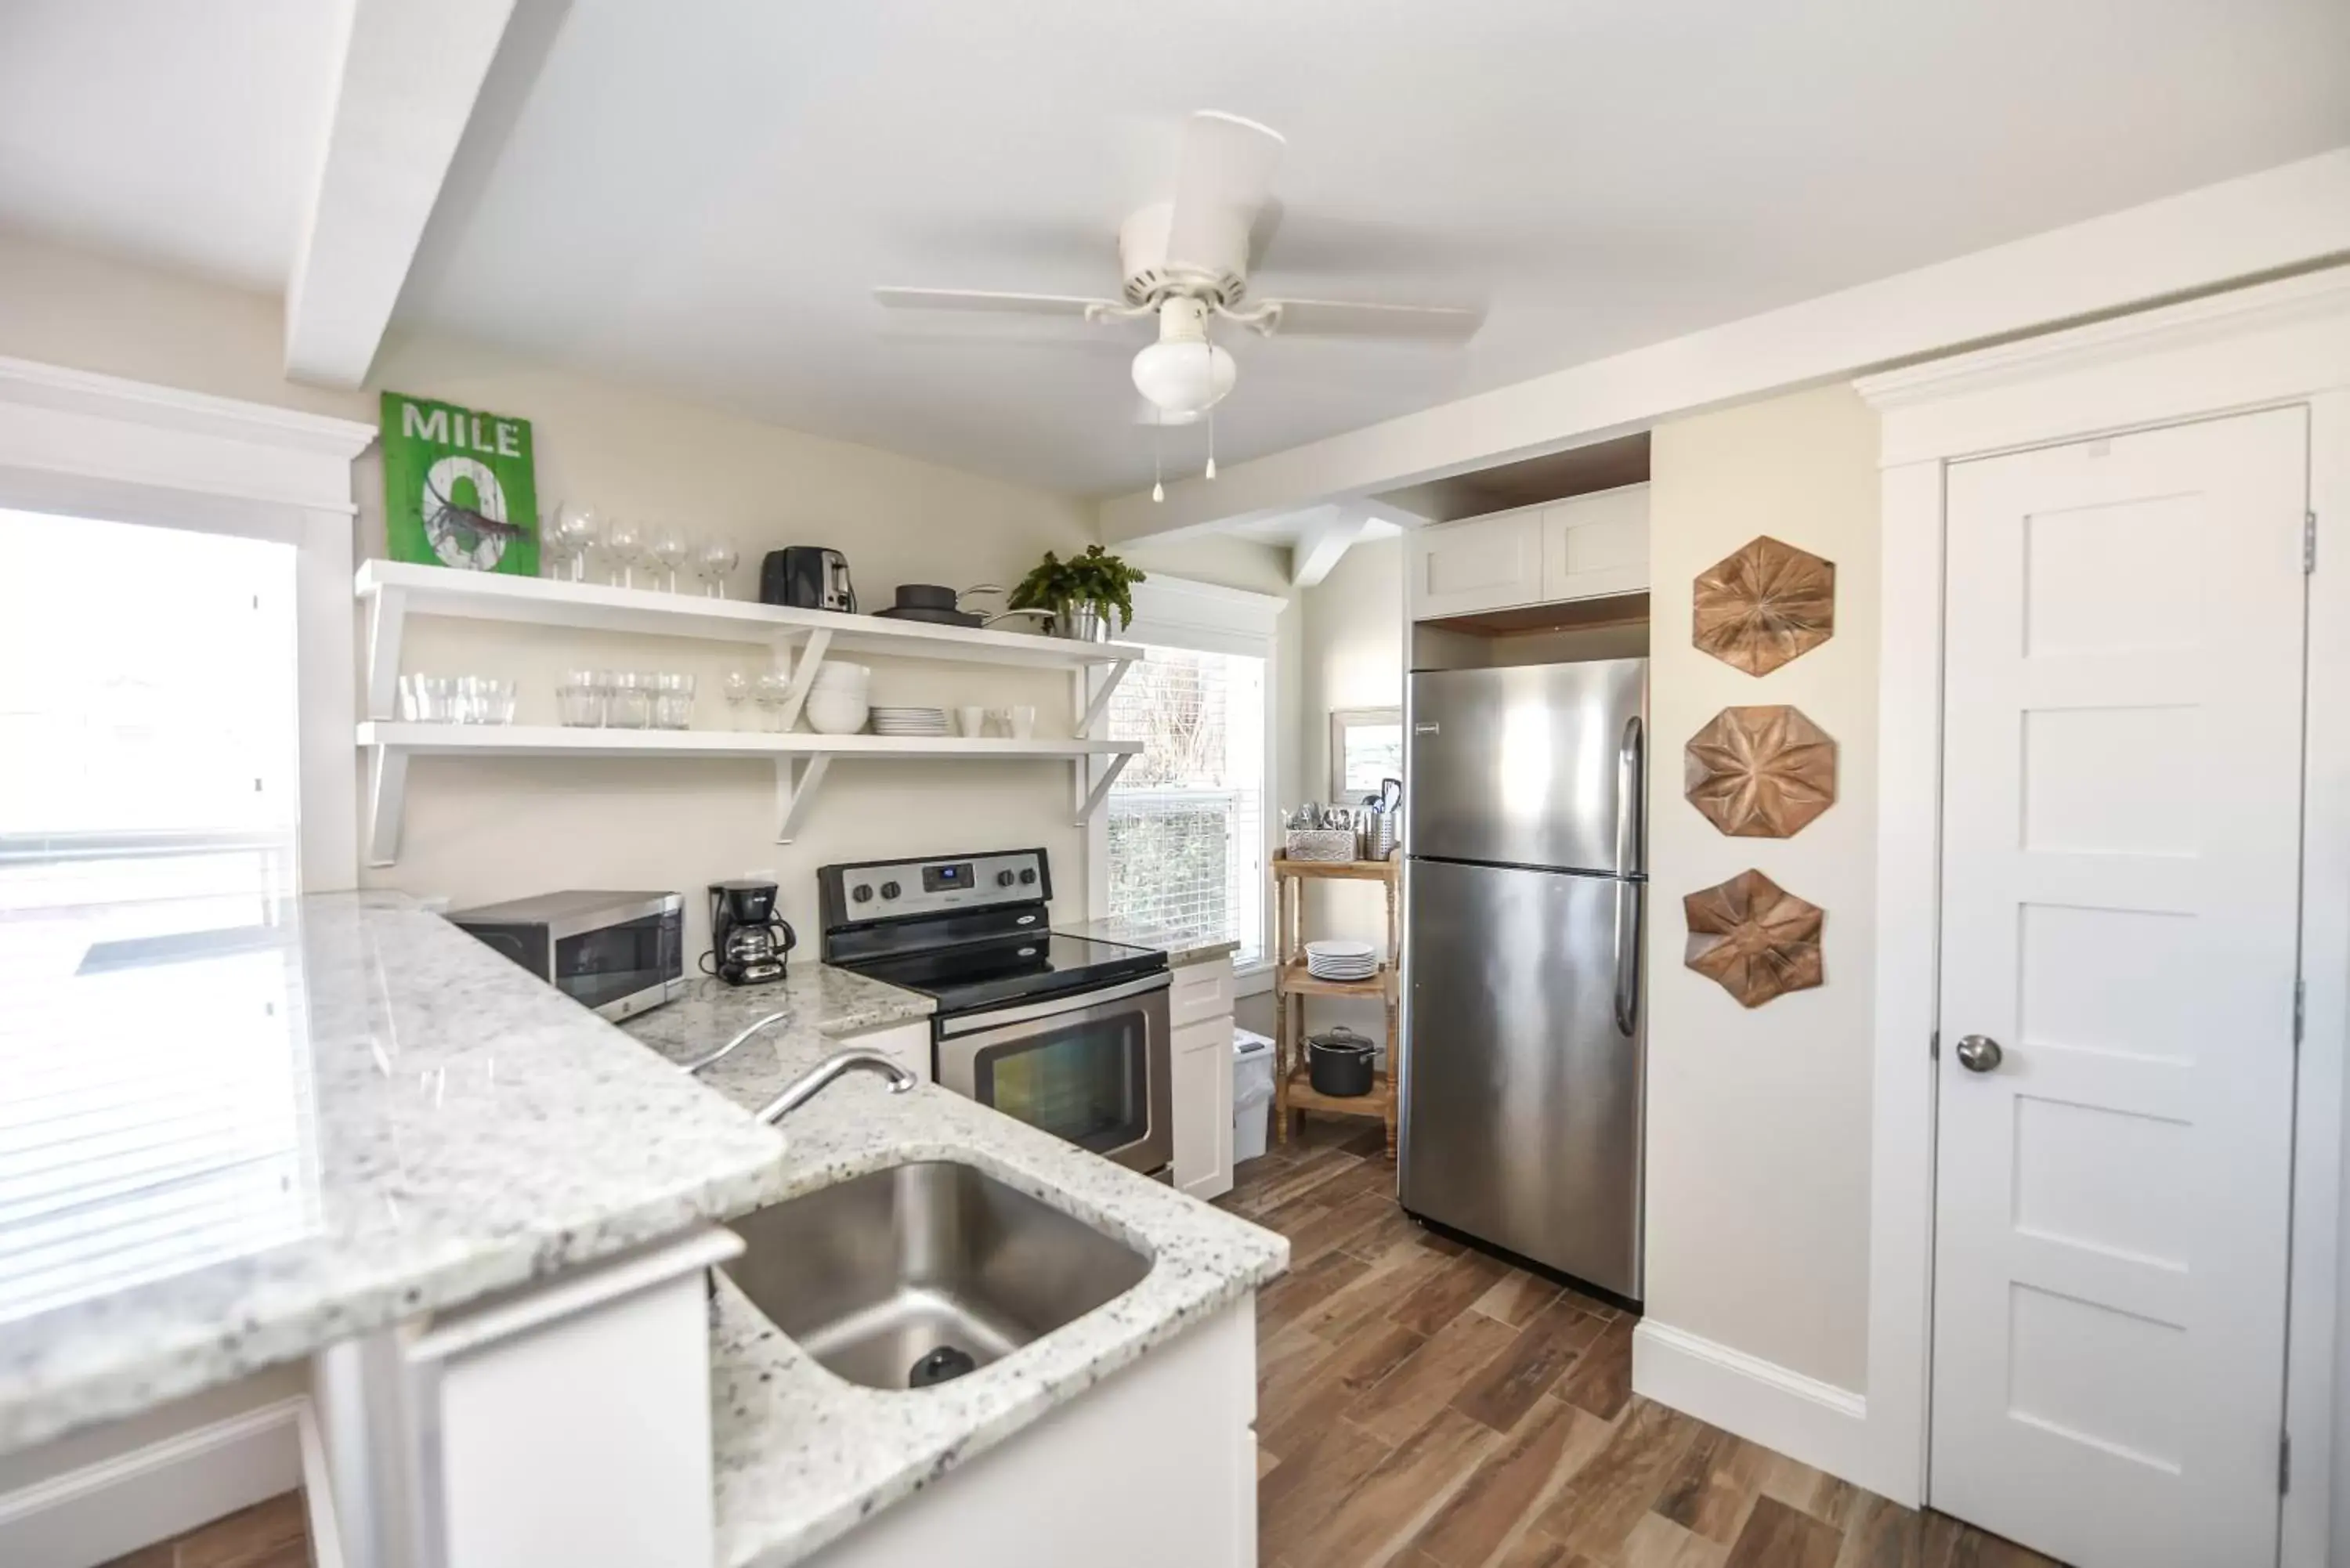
1524, 878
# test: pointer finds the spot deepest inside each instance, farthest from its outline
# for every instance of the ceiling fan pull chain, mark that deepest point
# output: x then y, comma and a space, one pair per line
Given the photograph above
1157, 451
1209, 349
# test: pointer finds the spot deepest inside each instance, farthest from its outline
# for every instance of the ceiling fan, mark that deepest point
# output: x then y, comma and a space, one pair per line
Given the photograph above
1185, 261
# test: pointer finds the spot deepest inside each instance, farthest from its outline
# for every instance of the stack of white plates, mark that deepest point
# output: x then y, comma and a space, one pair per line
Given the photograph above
909, 720
1341, 960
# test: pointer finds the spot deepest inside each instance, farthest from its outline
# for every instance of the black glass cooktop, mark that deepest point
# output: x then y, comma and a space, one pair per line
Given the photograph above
972, 975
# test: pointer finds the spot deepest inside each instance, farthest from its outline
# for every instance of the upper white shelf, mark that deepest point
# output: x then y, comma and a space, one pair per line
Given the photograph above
406, 589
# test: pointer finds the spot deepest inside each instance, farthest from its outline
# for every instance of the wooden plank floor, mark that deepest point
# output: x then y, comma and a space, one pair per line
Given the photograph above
1423, 1406
272, 1534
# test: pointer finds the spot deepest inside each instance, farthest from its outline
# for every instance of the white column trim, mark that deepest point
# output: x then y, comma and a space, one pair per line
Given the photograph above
2276, 344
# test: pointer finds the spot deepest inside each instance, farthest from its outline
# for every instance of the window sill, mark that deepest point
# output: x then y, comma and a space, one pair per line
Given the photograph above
1253, 979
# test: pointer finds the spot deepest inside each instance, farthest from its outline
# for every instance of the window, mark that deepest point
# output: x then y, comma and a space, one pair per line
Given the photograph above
1186, 819
148, 847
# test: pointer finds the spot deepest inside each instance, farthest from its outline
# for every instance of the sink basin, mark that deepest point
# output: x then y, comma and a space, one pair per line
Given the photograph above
915, 1274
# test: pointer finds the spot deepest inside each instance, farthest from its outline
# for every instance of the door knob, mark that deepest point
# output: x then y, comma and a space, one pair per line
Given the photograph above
1979, 1053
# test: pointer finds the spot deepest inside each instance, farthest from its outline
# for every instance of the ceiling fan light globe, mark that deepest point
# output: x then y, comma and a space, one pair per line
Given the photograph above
1184, 378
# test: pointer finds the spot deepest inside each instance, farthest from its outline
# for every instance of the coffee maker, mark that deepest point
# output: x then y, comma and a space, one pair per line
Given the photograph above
747, 942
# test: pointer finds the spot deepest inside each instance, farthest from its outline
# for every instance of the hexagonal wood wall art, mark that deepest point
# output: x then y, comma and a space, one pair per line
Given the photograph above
1755, 938
1764, 604
1760, 773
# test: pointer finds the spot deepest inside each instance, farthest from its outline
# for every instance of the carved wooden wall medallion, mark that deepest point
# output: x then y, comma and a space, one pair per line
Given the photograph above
1761, 773
1764, 604
1755, 938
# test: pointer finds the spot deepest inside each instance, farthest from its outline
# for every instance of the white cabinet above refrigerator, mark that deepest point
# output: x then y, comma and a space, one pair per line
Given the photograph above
1587, 547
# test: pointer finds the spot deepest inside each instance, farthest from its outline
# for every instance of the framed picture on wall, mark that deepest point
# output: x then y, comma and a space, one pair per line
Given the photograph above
1365, 746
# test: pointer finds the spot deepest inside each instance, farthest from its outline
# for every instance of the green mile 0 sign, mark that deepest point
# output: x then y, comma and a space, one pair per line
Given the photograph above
457, 487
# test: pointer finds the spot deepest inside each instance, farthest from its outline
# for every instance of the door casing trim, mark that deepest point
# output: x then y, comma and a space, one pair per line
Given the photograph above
2275, 345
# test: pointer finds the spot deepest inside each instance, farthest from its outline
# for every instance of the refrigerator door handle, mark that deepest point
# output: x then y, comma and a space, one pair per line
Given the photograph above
1628, 957
1628, 791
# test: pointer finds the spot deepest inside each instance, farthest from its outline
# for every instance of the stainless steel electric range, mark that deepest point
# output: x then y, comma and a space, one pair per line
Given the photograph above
1065, 1033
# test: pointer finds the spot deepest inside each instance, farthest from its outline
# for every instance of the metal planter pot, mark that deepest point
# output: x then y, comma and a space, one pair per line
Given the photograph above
1082, 623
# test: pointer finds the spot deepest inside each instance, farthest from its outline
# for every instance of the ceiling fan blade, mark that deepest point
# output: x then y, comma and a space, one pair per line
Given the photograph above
985, 299
1351, 319
1223, 177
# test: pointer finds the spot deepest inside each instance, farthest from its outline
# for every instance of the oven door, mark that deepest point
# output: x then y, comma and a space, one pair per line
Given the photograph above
1093, 1068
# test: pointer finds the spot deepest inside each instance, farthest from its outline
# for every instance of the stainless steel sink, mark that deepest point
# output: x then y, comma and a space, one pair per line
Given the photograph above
915, 1274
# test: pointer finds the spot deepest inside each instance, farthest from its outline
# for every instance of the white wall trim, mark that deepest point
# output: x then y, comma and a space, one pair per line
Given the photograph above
1818, 1423
2297, 214
100, 446
117, 1505
2272, 344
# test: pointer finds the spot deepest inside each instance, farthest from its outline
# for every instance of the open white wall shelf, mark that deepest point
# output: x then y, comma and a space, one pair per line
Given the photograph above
798, 639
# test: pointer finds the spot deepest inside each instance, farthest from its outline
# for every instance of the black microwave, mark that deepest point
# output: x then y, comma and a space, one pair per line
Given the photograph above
614, 953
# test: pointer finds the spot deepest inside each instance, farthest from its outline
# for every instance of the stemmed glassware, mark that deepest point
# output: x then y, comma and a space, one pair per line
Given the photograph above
573, 534
736, 688
624, 543
771, 689
670, 549
719, 558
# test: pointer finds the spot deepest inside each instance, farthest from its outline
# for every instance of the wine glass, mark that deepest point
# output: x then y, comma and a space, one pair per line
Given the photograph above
574, 534
671, 549
624, 542
719, 558
737, 690
771, 689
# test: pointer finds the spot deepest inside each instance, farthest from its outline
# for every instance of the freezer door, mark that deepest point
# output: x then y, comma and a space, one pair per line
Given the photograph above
1539, 766
1523, 1031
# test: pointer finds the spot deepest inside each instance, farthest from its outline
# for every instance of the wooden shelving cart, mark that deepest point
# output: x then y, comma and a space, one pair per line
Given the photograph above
1293, 1092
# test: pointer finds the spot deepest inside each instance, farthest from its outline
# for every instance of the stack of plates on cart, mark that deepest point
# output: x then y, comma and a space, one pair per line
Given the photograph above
909, 720
1341, 960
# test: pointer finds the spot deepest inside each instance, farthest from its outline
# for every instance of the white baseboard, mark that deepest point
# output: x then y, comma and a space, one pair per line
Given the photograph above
1823, 1425
118, 1504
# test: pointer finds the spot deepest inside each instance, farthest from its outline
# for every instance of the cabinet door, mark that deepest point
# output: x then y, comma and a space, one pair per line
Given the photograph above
1204, 1105
1595, 545
1485, 563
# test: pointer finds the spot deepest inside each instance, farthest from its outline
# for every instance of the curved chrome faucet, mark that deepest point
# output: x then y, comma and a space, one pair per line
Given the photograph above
728, 1049
810, 1083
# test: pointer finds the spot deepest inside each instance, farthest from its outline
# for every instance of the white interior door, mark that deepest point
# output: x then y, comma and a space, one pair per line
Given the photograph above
2120, 880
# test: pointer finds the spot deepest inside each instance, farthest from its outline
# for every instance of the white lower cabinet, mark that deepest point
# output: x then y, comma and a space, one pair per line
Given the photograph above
568, 1423
1153, 1467
1200, 1006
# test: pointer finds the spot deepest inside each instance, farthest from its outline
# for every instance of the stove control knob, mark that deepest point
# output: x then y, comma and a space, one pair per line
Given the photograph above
1004, 878
890, 889
1029, 875
862, 892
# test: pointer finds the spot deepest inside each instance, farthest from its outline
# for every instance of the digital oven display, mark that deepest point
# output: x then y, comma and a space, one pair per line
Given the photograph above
946, 878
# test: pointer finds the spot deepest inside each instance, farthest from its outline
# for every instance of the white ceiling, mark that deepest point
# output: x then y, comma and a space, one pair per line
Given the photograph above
701, 197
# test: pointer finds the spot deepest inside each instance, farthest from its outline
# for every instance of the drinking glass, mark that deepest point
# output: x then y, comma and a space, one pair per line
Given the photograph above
630, 704
672, 702
579, 700
771, 689
575, 532
719, 558
624, 544
737, 690
671, 549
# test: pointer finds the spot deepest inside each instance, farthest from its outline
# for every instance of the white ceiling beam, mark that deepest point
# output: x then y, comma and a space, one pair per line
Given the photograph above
2292, 216
412, 70
1323, 542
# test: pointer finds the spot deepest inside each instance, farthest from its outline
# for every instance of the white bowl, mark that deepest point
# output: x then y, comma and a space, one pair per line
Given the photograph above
836, 712
833, 673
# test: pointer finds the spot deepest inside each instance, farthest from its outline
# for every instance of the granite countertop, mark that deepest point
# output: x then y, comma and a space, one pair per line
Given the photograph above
804, 1456
223, 1150
817, 1002
1181, 944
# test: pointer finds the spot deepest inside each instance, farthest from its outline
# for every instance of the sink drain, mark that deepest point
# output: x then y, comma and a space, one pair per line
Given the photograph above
941, 1365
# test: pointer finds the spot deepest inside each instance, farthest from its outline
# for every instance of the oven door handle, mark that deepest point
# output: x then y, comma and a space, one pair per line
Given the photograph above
1074, 1001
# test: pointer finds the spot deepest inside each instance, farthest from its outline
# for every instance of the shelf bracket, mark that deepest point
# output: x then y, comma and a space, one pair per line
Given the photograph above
387, 799
796, 780
1100, 702
811, 654
386, 617
1100, 792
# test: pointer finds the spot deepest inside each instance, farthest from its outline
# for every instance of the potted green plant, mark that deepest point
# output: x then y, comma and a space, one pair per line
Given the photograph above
1083, 592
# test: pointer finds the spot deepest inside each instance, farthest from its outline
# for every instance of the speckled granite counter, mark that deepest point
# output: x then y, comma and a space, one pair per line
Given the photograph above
818, 1003
803, 1456
1181, 944
223, 1150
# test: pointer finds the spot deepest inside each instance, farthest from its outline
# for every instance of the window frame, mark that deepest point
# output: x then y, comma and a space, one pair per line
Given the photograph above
77, 444
1207, 617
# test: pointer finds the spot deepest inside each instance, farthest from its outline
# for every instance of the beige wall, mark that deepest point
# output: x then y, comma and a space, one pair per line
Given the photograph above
478, 830
1759, 1120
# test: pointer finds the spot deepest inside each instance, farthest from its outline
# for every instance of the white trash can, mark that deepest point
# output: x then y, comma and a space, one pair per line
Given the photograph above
1252, 1094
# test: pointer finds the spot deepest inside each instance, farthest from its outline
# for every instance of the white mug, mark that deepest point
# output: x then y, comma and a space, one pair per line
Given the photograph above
1021, 722
970, 721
